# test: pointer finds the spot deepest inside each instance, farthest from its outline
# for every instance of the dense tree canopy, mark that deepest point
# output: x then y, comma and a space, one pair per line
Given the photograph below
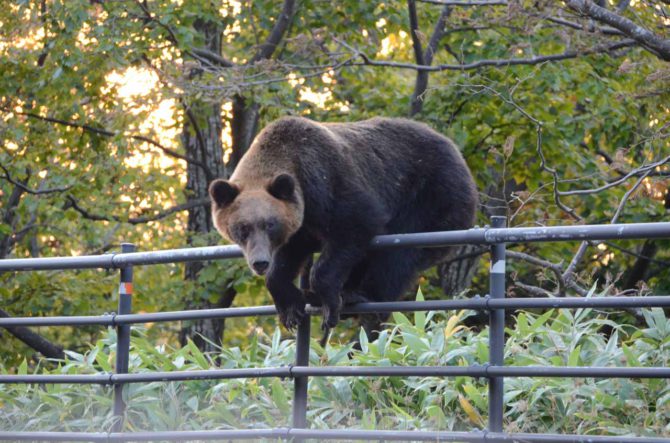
114, 116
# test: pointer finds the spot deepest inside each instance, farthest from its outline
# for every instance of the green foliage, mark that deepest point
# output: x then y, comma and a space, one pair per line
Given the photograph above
554, 338
59, 62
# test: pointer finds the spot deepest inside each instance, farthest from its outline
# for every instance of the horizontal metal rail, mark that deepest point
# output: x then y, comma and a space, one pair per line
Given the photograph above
326, 434
495, 371
74, 379
423, 239
477, 303
483, 371
348, 371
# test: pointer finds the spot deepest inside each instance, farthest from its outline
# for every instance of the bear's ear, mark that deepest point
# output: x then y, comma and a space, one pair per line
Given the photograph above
282, 187
223, 192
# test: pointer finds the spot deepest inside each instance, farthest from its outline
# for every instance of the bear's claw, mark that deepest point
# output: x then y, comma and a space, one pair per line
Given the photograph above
330, 316
291, 316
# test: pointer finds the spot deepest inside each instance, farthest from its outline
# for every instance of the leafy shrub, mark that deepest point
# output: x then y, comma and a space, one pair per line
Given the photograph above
557, 338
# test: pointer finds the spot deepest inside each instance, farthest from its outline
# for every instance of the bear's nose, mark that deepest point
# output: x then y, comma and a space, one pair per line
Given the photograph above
260, 266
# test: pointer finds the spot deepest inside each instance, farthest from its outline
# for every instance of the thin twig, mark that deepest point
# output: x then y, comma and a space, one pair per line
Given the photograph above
534, 290
568, 275
556, 269
141, 219
627, 195
468, 3
644, 170
107, 133
7, 176
367, 61
636, 255
579, 26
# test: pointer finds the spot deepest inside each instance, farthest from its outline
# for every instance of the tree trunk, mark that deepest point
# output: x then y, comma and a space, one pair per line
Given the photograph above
641, 267
424, 57
454, 275
244, 126
202, 141
7, 242
201, 137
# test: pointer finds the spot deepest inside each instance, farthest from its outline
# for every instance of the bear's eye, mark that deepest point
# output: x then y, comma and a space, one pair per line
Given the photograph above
272, 227
241, 233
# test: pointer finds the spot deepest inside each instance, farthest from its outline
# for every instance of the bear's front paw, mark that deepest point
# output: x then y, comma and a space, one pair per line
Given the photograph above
330, 314
292, 314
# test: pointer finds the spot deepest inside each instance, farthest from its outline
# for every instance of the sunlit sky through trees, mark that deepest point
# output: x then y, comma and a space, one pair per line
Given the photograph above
131, 73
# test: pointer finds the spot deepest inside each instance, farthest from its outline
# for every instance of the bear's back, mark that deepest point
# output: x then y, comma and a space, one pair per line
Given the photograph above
390, 139
382, 155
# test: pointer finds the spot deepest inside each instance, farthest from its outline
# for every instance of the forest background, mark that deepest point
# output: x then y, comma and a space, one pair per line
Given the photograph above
115, 116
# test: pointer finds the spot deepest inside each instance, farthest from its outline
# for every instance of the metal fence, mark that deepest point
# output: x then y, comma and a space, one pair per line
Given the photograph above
494, 371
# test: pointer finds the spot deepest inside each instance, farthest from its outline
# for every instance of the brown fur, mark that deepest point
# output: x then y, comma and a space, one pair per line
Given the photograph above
305, 186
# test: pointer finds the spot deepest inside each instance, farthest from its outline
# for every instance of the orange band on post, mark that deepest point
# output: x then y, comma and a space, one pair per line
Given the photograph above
126, 289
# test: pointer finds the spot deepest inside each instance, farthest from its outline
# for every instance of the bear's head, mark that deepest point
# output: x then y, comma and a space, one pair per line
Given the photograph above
258, 218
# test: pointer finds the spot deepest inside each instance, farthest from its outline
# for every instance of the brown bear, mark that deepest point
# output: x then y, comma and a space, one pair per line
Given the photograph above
306, 187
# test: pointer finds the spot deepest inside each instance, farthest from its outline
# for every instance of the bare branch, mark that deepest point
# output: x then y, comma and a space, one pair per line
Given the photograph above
212, 57
366, 61
106, 133
644, 170
573, 25
151, 18
627, 195
568, 275
556, 269
543, 163
200, 54
468, 3
566, 279
424, 57
647, 39
199, 137
281, 24
7, 176
637, 255
562, 283
34, 340
534, 290
235, 87
414, 32
137, 220
569, 272
438, 33
467, 255
554, 174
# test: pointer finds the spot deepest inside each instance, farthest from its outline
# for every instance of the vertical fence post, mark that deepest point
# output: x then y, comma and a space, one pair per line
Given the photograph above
123, 337
301, 359
496, 329
300, 383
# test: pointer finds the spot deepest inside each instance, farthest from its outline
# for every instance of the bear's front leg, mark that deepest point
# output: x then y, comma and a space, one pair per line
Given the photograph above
286, 264
328, 277
288, 299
